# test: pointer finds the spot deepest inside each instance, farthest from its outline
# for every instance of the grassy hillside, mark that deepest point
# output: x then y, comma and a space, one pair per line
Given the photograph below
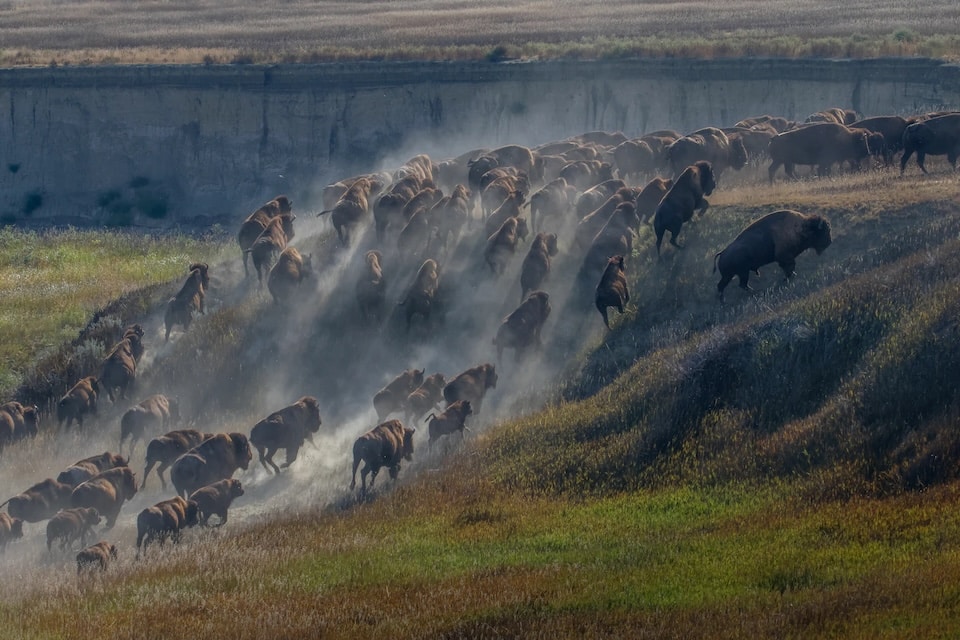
783, 464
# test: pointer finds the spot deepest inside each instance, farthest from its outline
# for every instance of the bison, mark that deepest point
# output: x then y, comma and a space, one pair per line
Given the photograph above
634, 158
106, 492
536, 264
287, 274
685, 196
936, 136
97, 556
372, 288
650, 197
890, 128
421, 297
83, 470
450, 214
18, 422
353, 207
710, 144
10, 529
612, 289
424, 397
215, 499
503, 243
119, 368
833, 115
471, 385
388, 208
165, 519
69, 525
521, 329
271, 243
450, 421
79, 401
40, 501
167, 448
822, 144
257, 221
155, 413
551, 202
592, 223
213, 459
286, 429
190, 298
776, 237
393, 397
615, 238
383, 446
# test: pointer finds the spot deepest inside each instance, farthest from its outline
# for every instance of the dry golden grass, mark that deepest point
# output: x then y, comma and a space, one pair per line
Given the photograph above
116, 31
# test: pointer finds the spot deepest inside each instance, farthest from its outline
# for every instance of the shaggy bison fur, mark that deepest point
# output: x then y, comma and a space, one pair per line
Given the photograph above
536, 264
502, 244
215, 499
271, 243
83, 470
421, 297
257, 221
213, 459
165, 449
70, 525
372, 288
286, 429
822, 145
156, 413
383, 446
937, 136
471, 385
40, 501
10, 529
166, 519
612, 289
120, 366
685, 196
106, 492
287, 274
424, 397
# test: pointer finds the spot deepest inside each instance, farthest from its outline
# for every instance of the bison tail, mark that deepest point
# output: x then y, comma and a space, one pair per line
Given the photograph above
5, 502
715, 256
427, 419
324, 211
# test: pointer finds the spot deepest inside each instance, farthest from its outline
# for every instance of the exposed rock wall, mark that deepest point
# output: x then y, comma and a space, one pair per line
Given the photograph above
165, 145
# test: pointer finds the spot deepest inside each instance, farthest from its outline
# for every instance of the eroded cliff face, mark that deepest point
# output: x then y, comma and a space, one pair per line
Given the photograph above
180, 145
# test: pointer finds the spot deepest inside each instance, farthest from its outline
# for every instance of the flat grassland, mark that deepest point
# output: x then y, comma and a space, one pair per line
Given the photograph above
41, 32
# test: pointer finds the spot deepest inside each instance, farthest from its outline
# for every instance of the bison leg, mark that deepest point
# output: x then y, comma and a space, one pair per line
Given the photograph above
789, 267
291, 456
921, 157
269, 459
356, 463
673, 238
773, 169
788, 169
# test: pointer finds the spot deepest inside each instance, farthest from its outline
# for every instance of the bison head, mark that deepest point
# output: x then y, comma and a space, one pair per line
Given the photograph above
191, 514
90, 516
707, 181
551, 242
236, 489
818, 230
16, 528
241, 448
129, 483
284, 203
738, 154
522, 229
491, 381
112, 550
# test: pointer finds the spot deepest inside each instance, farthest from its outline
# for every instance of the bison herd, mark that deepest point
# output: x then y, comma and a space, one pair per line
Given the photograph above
584, 204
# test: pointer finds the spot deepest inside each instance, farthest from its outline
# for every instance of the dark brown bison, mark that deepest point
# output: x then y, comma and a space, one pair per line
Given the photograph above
536, 264
10, 529
257, 221
383, 446
471, 385
79, 401
167, 448
612, 289
936, 136
891, 128
372, 288
353, 207
452, 420
502, 244
710, 144
658, 142
521, 329
596, 195
155, 413
685, 196
776, 237
286, 429
634, 159
603, 138
510, 207
268, 246
615, 238
450, 215
287, 274
119, 369
498, 184
822, 145
96, 556
83, 470
106, 492
69, 525
213, 459
585, 174
514, 155
592, 223
388, 208
755, 141
551, 202
166, 519
414, 238
421, 297
393, 396
190, 298
215, 499
17, 422
40, 501
424, 397
650, 197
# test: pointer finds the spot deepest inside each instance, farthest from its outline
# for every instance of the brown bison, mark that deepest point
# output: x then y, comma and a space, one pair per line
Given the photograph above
79, 401
891, 128
421, 297
822, 145
83, 470
612, 289
166, 519
69, 525
215, 499
471, 385
550, 202
167, 448
213, 459
500, 184
155, 413
710, 144
937, 136
40, 501
190, 298
424, 397
585, 174
650, 197
97, 556
286, 429
450, 215
257, 221
536, 264
106, 492
596, 195
776, 237
17, 422
591, 224
287, 274
274, 239
521, 329
383, 446
616, 238
119, 368
393, 396
388, 208
353, 207
833, 115
502, 244
508, 208
776, 123
634, 159
10, 529
685, 196
413, 241
452, 420
372, 288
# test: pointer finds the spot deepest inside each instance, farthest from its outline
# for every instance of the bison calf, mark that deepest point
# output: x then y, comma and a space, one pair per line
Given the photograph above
165, 519
453, 419
69, 525
685, 196
214, 499
96, 556
521, 329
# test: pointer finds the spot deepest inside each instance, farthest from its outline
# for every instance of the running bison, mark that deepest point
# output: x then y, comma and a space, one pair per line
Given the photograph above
287, 274
10, 529
165, 519
286, 429
41, 501
452, 420
521, 329
165, 449
821, 145
776, 237
120, 366
685, 196
424, 397
213, 459
372, 288
79, 401
215, 499
936, 136
393, 396
536, 264
96, 556
155, 413
383, 446
83, 470
612, 289
471, 385
257, 221
106, 492
69, 525
421, 297
190, 298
